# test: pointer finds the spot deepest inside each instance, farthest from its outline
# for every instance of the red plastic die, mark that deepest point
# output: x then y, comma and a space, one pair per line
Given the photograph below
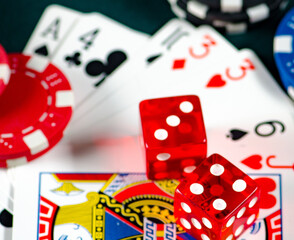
174, 136
217, 201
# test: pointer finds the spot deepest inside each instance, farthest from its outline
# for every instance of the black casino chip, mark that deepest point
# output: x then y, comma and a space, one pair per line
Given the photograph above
225, 16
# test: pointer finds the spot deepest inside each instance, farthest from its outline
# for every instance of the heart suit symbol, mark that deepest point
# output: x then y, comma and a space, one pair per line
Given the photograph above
216, 81
253, 162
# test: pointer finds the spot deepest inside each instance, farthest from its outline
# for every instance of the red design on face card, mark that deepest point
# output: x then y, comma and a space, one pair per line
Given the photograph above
266, 185
48, 211
274, 226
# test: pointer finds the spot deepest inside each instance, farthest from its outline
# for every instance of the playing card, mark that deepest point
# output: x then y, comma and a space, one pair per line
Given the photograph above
5, 223
6, 206
90, 157
181, 67
272, 212
222, 91
262, 143
93, 50
163, 41
189, 58
67, 205
259, 137
265, 145
6, 191
53, 27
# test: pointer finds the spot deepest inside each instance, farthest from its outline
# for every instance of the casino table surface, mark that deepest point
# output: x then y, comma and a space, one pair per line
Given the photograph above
19, 17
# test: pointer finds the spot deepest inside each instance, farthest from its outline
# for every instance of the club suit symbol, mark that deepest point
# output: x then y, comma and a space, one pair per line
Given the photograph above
74, 59
96, 67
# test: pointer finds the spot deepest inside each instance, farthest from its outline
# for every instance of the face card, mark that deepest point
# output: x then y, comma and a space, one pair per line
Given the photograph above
163, 41
125, 201
81, 194
193, 55
93, 50
79, 158
53, 27
272, 213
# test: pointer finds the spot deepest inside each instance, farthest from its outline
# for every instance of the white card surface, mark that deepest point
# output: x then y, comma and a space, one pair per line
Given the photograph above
165, 39
6, 191
221, 105
93, 50
193, 57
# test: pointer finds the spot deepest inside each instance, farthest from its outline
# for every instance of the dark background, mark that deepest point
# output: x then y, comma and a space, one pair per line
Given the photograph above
19, 17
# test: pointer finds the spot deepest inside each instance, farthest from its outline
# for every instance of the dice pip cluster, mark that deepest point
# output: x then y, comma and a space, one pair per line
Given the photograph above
214, 200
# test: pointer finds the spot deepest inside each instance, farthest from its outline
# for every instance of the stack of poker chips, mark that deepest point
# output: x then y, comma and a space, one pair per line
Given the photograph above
229, 16
36, 103
284, 52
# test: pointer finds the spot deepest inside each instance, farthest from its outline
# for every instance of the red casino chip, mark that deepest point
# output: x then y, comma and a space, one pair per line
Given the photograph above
4, 69
35, 108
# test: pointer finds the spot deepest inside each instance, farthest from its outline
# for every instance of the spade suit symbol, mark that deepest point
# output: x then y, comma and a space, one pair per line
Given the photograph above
43, 50
236, 134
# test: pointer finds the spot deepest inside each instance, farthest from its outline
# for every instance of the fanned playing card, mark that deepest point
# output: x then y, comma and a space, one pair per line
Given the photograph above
95, 48
6, 219
125, 206
190, 58
53, 27
6, 191
88, 48
166, 39
6, 207
223, 92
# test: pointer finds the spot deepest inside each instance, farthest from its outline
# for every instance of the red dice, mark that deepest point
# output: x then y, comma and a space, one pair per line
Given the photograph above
217, 201
174, 136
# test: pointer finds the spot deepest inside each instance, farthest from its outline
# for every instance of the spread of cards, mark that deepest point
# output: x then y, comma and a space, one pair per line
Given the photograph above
109, 133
